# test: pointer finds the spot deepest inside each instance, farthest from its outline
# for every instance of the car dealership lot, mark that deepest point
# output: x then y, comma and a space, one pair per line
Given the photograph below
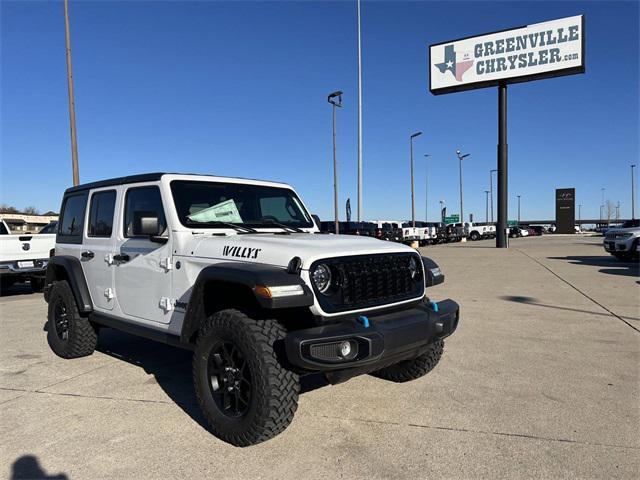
540, 380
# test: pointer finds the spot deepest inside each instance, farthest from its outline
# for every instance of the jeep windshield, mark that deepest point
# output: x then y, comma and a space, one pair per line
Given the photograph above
214, 204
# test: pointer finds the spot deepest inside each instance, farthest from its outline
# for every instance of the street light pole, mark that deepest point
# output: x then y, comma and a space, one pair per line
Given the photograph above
518, 209
441, 208
491, 189
426, 190
633, 193
486, 207
72, 102
579, 212
359, 118
413, 205
461, 157
335, 103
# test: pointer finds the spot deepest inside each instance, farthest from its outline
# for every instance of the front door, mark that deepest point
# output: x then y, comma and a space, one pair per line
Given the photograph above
96, 255
143, 267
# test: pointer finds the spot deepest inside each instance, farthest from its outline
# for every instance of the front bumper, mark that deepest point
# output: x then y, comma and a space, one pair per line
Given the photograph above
388, 338
612, 246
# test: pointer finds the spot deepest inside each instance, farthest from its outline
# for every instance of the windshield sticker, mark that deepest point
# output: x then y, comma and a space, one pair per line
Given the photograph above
240, 252
222, 212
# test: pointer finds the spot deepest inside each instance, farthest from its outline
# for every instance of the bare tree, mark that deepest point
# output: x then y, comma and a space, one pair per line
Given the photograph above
31, 210
4, 208
609, 210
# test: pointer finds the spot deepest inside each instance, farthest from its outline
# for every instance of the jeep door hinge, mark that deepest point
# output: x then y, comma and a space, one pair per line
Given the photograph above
109, 258
109, 293
166, 304
166, 263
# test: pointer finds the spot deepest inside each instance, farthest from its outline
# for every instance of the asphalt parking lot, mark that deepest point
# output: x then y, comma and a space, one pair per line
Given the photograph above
542, 379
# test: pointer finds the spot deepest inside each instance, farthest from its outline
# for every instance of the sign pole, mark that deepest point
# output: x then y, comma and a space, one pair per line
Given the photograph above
501, 234
72, 103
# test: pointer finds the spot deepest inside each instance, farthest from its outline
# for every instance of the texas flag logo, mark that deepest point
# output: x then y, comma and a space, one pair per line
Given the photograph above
456, 64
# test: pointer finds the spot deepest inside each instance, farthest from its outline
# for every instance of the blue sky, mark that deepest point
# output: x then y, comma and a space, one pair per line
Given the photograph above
239, 89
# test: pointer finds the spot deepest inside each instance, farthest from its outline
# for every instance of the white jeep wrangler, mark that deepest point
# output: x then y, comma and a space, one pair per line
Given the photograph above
237, 271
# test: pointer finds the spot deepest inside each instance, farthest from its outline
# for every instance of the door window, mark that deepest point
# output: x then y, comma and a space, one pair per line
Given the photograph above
101, 211
72, 221
139, 203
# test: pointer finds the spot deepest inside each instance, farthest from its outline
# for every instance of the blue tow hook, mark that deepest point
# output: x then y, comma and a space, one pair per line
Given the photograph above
364, 321
434, 305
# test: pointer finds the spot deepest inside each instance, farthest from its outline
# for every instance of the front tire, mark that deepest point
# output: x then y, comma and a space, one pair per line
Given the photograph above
474, 236
414, 368
69, 335
244, 392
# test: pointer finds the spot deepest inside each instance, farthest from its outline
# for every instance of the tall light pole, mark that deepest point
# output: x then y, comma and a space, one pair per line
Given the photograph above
359, 118
441, 209
335, 103
633, 193
486, 206
579, 212
518, 209
413, 205
426, 189
72, 102
491, 189
461, 157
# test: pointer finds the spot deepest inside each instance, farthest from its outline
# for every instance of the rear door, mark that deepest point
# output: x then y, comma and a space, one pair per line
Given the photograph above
96, 256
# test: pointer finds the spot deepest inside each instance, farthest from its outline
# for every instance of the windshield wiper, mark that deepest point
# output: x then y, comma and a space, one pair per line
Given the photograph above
237, 228
283, 226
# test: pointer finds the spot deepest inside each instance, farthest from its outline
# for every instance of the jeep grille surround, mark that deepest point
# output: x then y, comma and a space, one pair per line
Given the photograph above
365, 281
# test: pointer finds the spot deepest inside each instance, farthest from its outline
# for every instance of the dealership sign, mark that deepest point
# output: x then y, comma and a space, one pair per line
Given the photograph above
541, 50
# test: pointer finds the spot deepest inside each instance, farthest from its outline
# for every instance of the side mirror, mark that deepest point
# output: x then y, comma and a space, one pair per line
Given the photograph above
434, 275
145, 224
316, 219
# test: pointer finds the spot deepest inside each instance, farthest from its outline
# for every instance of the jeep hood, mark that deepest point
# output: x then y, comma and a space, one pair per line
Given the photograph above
279, 249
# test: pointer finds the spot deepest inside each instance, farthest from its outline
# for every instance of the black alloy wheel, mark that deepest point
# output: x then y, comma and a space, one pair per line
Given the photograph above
229, 379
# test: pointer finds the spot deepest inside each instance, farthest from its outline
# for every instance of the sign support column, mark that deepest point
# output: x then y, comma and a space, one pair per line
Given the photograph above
501, 233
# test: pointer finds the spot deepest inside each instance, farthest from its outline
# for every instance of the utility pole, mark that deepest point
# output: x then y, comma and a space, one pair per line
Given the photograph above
633, 193
441, 208
426, 189
335, 104
460, 158
413, 205
491, 190
72, 102
359, 118
518, 209
486, 207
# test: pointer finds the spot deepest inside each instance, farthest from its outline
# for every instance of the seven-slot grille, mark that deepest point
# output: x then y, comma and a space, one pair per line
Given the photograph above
372, 280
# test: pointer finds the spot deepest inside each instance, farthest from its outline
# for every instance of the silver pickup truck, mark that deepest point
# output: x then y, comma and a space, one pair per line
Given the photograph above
24, 257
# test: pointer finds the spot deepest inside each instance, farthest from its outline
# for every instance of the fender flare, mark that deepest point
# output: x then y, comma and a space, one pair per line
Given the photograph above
247, 276
73, 274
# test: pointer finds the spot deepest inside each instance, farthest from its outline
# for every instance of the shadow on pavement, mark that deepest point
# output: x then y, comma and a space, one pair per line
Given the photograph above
170, 367
28, 467
534, 302
614, 266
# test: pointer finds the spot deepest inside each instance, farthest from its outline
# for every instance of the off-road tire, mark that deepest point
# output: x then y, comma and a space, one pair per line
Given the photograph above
274, 390
37, 284
81, 335
408, 370
474, 236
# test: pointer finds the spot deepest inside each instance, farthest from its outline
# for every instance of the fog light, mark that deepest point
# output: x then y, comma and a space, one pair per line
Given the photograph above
345, 349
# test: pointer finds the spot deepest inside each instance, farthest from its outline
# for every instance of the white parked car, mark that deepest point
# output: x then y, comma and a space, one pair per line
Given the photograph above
623, 243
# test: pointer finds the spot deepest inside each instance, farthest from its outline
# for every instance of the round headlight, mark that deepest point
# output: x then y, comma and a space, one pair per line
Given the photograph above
413, 267
321, 277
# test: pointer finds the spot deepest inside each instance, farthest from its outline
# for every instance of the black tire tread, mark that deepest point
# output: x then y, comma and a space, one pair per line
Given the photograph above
278, 387
83, 337
412, 369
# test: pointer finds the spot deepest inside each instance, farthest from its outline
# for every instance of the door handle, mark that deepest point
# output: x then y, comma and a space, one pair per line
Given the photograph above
87, 254
123, 257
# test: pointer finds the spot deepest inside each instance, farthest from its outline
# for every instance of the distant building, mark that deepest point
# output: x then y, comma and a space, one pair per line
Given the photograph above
22, 223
